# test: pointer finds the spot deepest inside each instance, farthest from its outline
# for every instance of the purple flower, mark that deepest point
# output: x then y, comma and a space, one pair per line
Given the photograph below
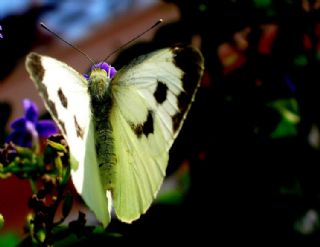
28, 129
111, 71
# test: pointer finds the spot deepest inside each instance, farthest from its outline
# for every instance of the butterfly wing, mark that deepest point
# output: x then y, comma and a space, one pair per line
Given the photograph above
65, 94
151, 98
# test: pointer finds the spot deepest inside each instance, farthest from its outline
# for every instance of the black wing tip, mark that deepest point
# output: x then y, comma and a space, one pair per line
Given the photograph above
34, 66
190, 60
189, 52
32, 56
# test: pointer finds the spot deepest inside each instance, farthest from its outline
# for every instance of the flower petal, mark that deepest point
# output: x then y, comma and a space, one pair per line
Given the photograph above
46, 128
86, 76
31, 110
20, 138
113, 72
102, 65
19, 124
106, 67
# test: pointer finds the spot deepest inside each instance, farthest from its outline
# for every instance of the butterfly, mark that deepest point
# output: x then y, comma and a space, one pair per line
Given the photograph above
120, 128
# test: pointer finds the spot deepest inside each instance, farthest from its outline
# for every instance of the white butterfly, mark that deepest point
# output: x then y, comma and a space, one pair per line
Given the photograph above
120, 130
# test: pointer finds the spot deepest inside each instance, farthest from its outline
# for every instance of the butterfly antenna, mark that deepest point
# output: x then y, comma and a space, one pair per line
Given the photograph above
73, 46
135, 38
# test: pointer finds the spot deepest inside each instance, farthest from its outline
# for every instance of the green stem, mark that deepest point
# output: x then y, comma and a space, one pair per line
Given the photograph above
33, 186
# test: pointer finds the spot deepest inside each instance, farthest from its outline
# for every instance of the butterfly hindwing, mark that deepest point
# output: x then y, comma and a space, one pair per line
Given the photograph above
65, 94
151, 97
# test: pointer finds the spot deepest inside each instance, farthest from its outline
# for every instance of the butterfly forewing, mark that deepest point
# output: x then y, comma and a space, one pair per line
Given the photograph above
151, 97
65, 94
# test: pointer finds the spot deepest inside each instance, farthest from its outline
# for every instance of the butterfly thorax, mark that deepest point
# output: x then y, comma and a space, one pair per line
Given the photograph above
101, 104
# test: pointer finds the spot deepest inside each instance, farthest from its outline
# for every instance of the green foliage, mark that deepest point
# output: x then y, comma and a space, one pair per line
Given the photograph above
48, 173
9, 240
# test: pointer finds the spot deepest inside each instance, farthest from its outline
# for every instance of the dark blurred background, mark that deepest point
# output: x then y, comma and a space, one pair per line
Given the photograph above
251, 141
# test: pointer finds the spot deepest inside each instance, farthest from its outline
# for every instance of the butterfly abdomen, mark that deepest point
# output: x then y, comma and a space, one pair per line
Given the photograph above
101, 104
105, 151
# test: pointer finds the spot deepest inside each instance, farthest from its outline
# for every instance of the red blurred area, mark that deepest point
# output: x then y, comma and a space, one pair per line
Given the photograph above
14, 196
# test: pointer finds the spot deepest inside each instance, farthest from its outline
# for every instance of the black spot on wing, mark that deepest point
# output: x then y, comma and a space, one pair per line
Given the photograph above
53, 110
62, 98
191, 62
148, 125
63, 127
161, 92
145, 128
52, 107
79, 130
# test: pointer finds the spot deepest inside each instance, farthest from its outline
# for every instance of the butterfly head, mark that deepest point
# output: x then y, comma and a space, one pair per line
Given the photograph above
99, 79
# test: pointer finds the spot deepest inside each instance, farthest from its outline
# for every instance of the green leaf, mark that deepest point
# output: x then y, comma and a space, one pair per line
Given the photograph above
9, 239
175, 187
289, 112
262, 3
57, 146
41, 235
300, 60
